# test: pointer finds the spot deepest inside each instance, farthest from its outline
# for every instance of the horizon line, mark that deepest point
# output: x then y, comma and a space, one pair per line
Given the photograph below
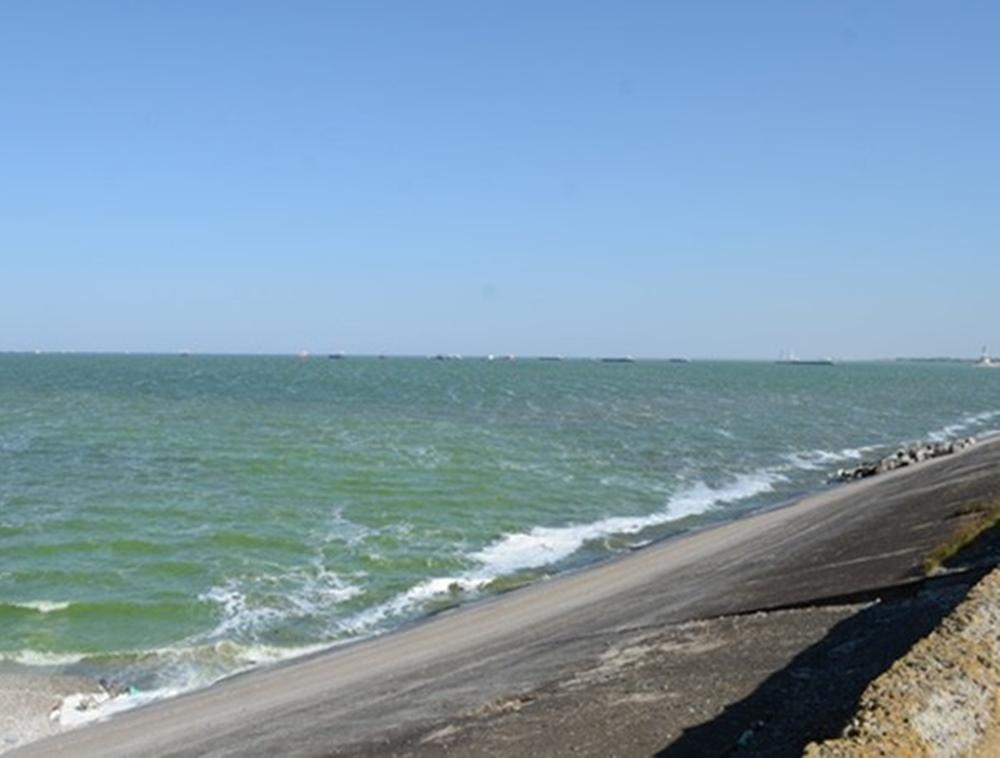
452, 356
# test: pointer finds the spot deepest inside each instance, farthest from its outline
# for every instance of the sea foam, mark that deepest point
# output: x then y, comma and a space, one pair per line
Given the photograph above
544, 546
815, 460
303, 592
41, 606
41, 658
971, 422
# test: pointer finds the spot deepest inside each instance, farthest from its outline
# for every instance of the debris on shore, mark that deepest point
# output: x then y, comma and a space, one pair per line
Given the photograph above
907, 456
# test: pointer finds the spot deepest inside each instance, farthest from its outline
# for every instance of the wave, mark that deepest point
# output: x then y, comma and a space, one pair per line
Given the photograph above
41, 658
250, 606
129, 679
39, 606
237, 613
225, 655
815, 460
812, 460
295, 594
86, 707
110, 611
544, 546
971, 422
184, 669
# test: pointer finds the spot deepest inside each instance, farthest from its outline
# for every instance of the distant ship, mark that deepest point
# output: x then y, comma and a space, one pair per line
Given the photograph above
624, 359
678, 360
791, 360
985, 361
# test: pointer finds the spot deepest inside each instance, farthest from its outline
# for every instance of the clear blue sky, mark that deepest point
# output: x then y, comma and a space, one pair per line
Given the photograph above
662, 178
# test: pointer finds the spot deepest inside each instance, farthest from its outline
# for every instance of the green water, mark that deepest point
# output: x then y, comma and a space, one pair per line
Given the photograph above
167, 520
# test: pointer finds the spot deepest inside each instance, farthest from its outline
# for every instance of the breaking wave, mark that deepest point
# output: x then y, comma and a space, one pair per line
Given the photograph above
972, 423
544, 546
39, 606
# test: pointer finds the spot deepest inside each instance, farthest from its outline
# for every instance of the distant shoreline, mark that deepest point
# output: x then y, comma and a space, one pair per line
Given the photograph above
475, 357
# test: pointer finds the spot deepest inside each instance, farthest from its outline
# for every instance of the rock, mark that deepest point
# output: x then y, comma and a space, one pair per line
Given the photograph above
903, 457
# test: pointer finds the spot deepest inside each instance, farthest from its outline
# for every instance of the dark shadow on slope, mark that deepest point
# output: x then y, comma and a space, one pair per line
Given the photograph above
817, 693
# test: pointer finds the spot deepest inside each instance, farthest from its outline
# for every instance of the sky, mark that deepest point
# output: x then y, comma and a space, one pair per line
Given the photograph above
701, 179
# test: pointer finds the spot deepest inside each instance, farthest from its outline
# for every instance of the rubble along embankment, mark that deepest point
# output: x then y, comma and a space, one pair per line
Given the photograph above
902, 458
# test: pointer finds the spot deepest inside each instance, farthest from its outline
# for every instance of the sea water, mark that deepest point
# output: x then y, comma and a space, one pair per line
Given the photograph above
167, 520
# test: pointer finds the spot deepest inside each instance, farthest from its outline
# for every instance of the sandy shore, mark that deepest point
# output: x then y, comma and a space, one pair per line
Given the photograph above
671, 648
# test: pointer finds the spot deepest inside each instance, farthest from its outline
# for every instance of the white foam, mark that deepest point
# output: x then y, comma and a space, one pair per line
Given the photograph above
234, 655
314, 591
365, 620
40, 657
87, 707
543, 546
342, 528
967, 423
187, 672
812, 460
254, 655
42, 606
320, 590
819, 459
237, 614
79, 708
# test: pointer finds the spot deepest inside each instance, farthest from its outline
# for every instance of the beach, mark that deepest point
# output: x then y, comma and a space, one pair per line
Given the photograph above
563, 666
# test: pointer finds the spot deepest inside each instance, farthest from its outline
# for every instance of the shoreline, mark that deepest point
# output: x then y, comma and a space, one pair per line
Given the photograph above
351, 675
86, 699
102, 692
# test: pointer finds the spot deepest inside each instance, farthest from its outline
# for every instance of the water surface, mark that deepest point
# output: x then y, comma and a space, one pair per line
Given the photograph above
166, 520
